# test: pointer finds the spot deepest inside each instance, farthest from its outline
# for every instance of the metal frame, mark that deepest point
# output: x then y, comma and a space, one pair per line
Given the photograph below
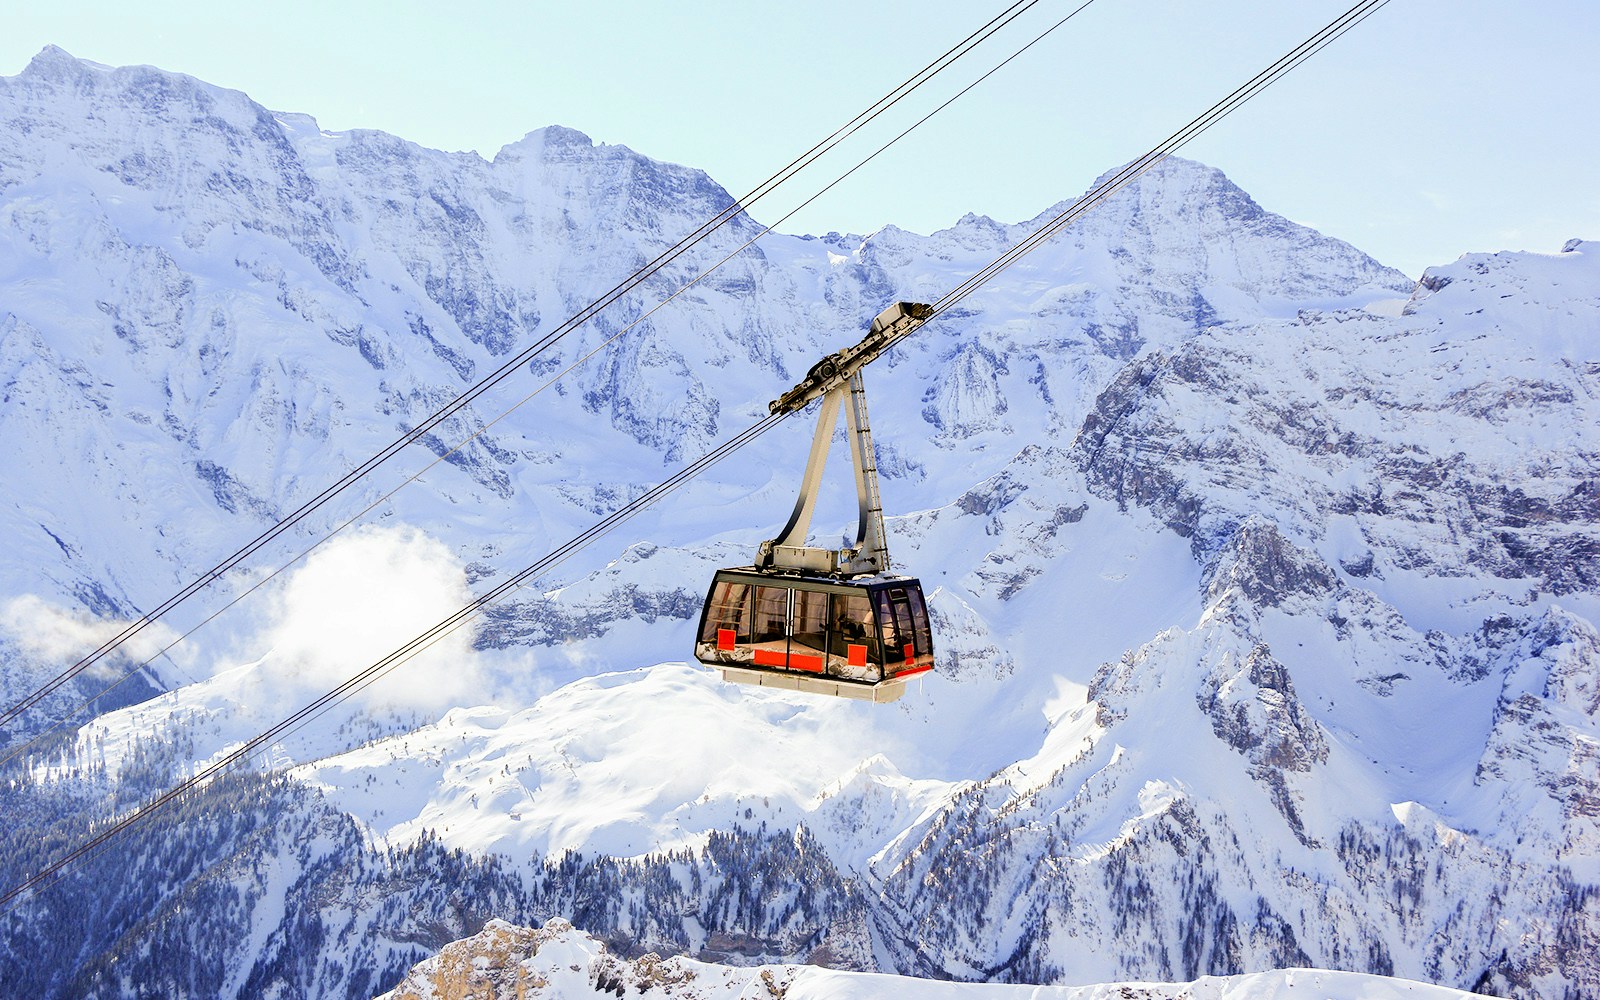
870, 553
832, 380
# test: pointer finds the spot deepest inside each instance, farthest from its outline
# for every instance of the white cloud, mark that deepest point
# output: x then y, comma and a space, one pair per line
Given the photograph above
62, 636
358, 598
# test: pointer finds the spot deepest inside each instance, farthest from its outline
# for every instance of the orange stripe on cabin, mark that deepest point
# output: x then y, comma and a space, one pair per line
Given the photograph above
805, 661
793, 661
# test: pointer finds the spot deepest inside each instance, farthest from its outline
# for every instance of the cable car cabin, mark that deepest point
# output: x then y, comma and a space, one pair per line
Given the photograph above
855, 638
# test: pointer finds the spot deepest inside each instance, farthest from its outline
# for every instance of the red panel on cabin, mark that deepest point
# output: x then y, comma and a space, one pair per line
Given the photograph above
911, 673
726, 637
805, 661
911, 652
770, 658
856, 655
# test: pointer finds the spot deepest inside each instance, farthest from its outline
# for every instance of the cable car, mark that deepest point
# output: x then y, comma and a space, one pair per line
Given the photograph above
826, 621
851, 638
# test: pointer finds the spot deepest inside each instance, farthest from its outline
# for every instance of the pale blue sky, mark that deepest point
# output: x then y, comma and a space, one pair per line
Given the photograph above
1435, 128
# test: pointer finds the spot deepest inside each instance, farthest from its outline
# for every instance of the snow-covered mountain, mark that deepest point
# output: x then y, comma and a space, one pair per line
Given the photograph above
1264, 577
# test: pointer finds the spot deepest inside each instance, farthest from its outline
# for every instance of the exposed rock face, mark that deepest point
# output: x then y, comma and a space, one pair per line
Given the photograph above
1266, 569
1464, 455
490, 965
1542, 742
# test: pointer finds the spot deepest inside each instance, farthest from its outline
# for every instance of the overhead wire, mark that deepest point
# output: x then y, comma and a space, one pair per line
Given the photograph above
22, 748
437, 632
370, 674
1142, 165
740, 205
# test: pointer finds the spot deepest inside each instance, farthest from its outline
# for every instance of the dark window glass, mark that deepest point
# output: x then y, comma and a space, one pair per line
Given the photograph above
729, 608
853, 624
894, 637
921, 634
853, 648
771, 614
810, 622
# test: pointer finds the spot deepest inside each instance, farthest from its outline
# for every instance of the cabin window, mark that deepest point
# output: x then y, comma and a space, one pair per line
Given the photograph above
810, 621
895, 625
854, 624
853, 648
771, 615
921, 635
727, 620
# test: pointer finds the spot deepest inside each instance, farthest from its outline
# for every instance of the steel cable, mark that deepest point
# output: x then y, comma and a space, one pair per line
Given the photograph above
1139, 167
375, 671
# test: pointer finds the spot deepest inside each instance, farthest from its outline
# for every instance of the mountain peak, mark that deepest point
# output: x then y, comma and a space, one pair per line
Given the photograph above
541, 143
554, 135
1173, 186
549, 137
55, 62
55, 73
1179, 181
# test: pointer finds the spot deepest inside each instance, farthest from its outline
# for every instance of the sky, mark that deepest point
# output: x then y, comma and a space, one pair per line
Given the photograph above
1435, 128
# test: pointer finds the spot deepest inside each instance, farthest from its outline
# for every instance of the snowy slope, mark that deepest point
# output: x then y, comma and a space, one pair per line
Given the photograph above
505, 961
1264, 578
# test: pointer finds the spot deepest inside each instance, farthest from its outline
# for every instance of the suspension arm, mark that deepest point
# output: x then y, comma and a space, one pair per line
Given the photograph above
837, 368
